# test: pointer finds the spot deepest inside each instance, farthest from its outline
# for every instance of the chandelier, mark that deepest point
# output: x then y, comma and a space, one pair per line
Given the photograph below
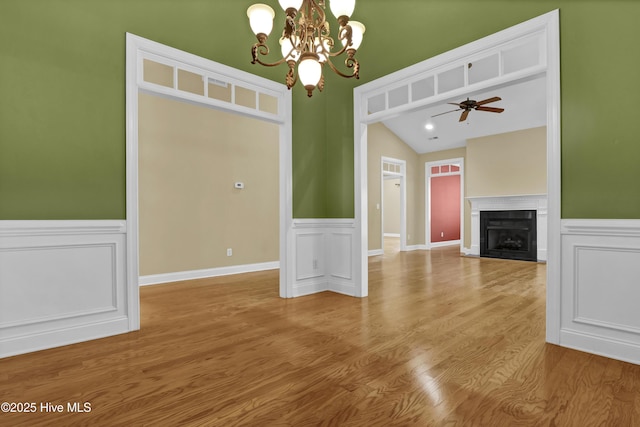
307, 41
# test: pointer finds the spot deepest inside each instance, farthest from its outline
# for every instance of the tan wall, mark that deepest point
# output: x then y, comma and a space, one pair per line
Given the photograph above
391, 204
507, 164
383, 143
190, 212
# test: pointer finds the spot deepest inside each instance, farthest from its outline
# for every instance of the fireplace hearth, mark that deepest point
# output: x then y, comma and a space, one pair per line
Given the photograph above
509, 234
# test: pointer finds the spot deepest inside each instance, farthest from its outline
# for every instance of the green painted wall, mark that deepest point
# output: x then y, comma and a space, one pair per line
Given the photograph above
62, 95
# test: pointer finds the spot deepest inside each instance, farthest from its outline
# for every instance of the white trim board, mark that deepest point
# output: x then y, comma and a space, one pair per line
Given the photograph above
156, 279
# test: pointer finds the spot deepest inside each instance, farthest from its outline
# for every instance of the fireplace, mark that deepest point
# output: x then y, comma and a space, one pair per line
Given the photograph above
509, 234
525, 202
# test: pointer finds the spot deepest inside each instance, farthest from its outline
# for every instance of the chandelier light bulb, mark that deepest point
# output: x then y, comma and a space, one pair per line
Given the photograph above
309, 71
342, 7
357, 34
261, 18
290, 4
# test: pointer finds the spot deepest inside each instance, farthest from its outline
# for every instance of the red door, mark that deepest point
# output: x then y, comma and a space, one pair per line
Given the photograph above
445, 208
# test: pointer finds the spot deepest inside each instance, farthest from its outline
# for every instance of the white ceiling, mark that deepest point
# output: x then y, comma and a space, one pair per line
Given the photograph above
524, 103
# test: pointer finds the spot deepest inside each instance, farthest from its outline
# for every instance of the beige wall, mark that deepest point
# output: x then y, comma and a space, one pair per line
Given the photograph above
383, 143
391, 205
512, 163
505, 164
190, 212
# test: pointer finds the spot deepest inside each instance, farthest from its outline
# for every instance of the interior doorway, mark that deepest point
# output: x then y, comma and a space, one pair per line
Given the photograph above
194, 80
419, 85
393, 197
444, 207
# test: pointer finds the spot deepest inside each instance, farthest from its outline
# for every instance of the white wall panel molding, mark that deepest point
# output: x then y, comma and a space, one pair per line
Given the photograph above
61, 282
324, 259
600, 289
61, 227
605, 227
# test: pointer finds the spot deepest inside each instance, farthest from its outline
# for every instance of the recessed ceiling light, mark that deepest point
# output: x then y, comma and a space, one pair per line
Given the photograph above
428, 126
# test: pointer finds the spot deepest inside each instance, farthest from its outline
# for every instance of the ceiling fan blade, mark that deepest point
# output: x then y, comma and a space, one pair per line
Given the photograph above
490, 109
455, 103
489, 100
464, 115
446, 112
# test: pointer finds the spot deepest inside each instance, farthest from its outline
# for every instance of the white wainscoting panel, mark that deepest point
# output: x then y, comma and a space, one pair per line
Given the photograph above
61, 282
601, 287
324, 258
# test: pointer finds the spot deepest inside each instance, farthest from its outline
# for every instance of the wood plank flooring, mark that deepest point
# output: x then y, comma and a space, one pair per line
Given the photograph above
442, 340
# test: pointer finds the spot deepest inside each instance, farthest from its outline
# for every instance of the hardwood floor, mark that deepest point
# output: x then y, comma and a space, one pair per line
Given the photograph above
442, 340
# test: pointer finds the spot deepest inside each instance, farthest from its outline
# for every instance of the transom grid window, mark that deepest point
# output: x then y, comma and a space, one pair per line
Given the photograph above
452, 169
524, 56
390, 168
207, 86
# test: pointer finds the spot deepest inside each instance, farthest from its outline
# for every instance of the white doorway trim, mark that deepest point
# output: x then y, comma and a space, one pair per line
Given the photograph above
427, 199
402, 175
138, 49
546, 28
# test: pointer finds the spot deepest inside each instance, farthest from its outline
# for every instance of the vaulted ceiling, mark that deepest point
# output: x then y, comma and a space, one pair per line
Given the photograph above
524, 103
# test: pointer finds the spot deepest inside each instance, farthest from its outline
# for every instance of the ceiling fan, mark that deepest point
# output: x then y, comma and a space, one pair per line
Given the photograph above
470, 104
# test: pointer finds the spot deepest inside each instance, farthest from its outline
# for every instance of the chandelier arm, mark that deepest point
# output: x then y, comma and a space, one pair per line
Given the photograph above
263, 49
319, 8
291, 77
350, 63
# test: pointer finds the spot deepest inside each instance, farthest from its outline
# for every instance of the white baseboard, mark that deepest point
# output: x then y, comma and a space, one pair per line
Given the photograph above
416, 248
376, 252
392, 235
601, 345
310, 287
445, 243
156, 279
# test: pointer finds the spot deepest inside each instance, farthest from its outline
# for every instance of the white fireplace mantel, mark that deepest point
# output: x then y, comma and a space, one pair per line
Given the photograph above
537, 202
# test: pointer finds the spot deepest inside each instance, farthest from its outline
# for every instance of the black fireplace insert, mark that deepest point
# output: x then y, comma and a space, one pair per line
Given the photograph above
509, 235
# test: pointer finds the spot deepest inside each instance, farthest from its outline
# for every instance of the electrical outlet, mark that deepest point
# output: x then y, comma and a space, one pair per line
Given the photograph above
442, 234
229, 252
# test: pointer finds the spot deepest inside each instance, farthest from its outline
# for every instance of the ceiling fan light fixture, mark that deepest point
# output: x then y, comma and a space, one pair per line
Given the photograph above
471, 104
